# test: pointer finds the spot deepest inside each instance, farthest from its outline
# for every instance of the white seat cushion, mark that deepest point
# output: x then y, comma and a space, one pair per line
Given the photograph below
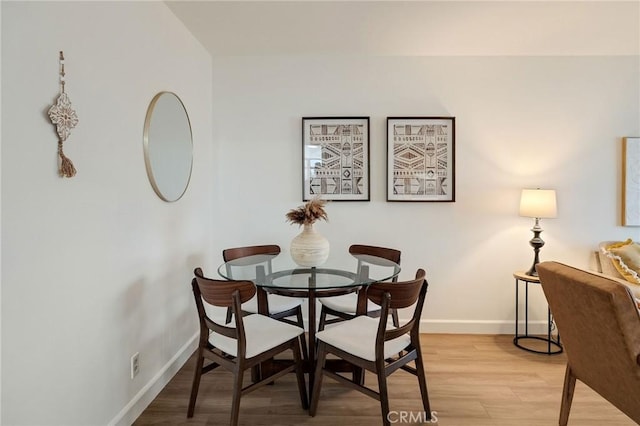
262, 333
277, 304
346, 303
358, 337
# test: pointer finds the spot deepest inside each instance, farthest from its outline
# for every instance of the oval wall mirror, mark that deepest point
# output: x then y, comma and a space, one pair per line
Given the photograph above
168, 146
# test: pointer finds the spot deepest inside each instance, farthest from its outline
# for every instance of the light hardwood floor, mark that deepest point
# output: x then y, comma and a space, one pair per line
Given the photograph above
473, 380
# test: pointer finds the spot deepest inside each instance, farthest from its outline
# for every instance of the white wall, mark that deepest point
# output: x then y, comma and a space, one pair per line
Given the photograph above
552, 116
97, 267
520, 122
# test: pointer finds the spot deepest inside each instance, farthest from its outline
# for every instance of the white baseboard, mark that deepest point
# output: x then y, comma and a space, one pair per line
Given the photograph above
479, 327
453, 326
141, 401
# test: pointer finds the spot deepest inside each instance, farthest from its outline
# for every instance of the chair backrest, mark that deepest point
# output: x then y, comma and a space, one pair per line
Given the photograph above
220, 292
223, 293
386, 253
600, 328
398, 295
238, 252
389, 254
241, 252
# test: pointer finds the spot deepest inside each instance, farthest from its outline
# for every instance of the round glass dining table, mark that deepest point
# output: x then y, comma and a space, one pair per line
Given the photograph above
278, 274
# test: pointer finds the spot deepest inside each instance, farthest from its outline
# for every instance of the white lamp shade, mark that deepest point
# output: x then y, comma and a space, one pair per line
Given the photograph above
540, 203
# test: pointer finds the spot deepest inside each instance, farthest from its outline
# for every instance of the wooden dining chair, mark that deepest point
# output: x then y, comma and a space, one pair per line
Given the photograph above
280, 307
343, 307
366, 343
254, 339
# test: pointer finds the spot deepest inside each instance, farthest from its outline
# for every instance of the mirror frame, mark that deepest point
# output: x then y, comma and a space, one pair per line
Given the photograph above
146, 141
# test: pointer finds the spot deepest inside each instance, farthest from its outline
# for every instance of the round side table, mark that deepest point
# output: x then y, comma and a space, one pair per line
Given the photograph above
553, 345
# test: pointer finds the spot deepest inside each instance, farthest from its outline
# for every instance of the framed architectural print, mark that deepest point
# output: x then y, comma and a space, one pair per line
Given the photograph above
335, 158
631, 182
421, 159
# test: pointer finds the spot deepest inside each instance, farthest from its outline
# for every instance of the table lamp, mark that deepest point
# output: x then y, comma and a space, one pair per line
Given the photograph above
539, 204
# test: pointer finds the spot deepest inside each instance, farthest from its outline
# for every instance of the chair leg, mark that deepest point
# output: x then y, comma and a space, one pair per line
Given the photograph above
394, 318
196, 383
567, 396
302, 387
323, 318
256, 373
305, 353
303, 344
315, 392
237, 392
384, 396
422, 382
357, 376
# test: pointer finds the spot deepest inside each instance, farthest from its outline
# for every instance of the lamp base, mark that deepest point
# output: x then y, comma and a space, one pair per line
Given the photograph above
537, 243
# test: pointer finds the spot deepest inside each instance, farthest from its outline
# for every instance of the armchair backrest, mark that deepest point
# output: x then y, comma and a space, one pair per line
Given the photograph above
600, 328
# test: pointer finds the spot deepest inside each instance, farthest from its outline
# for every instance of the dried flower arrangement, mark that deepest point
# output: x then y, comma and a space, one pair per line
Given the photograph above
307, 214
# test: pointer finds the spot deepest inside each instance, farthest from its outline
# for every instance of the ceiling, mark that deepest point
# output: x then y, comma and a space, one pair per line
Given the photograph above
412, 28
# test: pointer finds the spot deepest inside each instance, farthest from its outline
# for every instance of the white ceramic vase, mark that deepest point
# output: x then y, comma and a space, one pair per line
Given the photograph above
309, 248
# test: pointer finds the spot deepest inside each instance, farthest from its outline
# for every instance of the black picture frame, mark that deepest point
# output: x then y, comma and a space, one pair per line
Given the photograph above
421, 159
335, 158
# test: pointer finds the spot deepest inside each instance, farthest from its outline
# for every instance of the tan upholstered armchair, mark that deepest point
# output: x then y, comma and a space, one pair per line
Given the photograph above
600, 328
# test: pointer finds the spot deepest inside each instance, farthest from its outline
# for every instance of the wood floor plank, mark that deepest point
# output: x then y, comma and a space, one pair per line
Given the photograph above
473, 380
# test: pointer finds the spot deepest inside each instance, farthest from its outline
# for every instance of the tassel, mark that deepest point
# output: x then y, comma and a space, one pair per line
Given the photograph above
66, 166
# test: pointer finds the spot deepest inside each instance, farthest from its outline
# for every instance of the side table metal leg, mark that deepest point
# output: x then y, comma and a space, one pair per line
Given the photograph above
526, 308
516, 333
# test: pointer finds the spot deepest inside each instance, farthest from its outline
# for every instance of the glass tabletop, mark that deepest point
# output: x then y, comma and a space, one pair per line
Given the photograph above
279, 272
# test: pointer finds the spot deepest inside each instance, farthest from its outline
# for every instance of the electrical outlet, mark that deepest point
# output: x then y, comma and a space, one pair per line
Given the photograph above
135, 365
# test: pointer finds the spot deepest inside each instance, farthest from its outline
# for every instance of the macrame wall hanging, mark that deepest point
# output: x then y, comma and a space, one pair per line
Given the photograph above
65, 119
